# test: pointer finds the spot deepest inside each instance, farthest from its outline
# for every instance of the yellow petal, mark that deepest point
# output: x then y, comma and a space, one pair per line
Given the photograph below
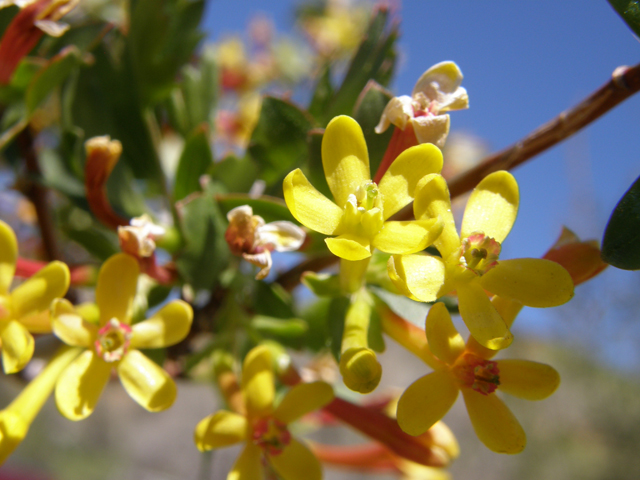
70, 327
257, 382
426, 401
80, 385
360, 369
420, 275
148, 384
407, 237
344, 157
167, 327
528, 380
248, 466
310, 207
8, 256
534, 282
399, 182
483, 320
433, 201
221, 429
36, 294
296, 462
116, 287
349, 247
17, 346
492, 207
444, 340
494, 423
302, 399
13, 429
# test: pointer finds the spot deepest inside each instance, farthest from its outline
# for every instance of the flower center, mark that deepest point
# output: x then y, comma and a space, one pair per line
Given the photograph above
479, 253
477, 373
271, 435
113, 340
423, 107
363, 211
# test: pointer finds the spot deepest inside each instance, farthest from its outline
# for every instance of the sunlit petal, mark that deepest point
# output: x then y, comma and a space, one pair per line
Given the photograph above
420, 275
492, 207
310, 207
397, 112
80, 385
399, 182
148, 384
344, 157
257, 382
17, 346
444, 340
483, 320
426, 401
221, 429
534, 282
494, 423
296, 462
168, 326
433, 201
70, 327
350, 247
441, 82
281, 236
302, 399
407, 237
116, 287
36, 294
8, 256
432, 129
248, 466
528, 380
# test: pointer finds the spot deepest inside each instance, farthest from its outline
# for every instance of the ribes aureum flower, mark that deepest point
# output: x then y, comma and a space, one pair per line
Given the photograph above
26, 304
138, 238
470, 263
114, 344
250, 237
359, 217
437, 91
477, 377
264, 427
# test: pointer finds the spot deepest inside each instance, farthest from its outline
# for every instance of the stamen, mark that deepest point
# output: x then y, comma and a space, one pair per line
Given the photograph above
271, 435
113, 341
474, 372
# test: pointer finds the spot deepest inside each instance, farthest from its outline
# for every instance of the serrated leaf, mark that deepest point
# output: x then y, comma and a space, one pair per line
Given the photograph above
629, 10
195, 160
622, 235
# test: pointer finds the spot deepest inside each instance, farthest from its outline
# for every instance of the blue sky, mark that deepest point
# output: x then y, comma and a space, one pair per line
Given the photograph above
524, 63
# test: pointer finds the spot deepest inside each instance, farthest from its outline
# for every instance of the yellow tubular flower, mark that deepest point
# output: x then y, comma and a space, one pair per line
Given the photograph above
429, 398
264, 427
16, 419
29, 300
469, 263
114, 344
359, 217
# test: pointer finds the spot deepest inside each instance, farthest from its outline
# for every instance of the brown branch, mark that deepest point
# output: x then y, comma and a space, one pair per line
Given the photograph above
625, 81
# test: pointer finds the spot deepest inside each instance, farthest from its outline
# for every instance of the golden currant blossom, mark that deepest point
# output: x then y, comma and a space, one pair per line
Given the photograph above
470, 263
137, 238
113, 344
248, 236
468, 371
27, 304
264, 427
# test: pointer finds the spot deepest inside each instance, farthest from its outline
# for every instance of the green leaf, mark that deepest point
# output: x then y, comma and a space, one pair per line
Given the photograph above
279, 141
322, 94
410, 310
374, 334
622, 235
629, 10
56, 71
335, 323
236, 174
205, 253
367, 112
195, 160
80, 227
271, 300
285, 328
200, 87
316, 314
272, 209
322, 284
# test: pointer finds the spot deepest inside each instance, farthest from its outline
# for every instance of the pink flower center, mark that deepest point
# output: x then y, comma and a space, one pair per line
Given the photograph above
479, 253
113, 341
271, 435
477, 373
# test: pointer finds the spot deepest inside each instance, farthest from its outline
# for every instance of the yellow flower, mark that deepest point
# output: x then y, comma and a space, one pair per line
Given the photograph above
264, 427
359, 216
469, 263
467, 370
437, 91
26, 304
114, 344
